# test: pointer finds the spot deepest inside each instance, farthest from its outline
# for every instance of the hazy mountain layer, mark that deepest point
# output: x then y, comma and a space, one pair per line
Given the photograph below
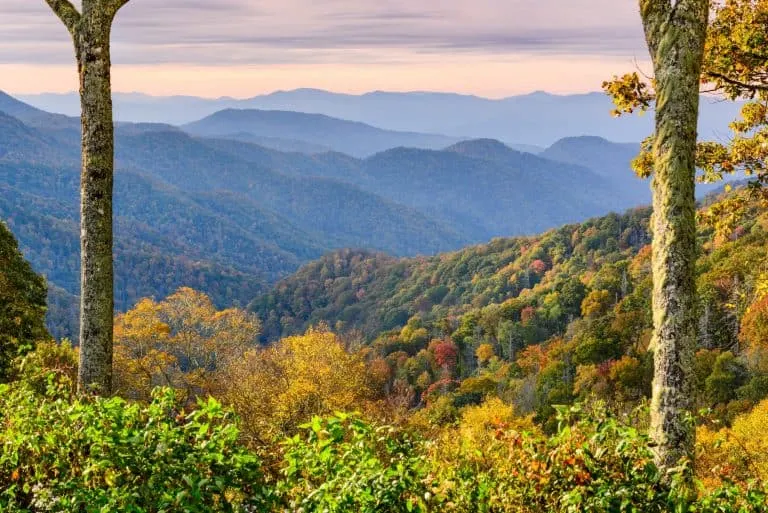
534, 119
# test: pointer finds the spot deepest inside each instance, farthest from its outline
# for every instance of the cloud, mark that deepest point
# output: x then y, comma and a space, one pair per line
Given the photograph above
243, 32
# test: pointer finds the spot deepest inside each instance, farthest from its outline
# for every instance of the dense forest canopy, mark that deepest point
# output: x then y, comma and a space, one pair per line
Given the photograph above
577, 297
374, 293
22, 304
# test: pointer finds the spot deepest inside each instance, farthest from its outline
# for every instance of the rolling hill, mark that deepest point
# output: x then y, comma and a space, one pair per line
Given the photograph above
503, 194
353, 138
187, 214
610, 161
374, 293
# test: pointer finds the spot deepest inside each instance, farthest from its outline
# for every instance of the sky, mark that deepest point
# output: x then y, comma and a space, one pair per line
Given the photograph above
241, 48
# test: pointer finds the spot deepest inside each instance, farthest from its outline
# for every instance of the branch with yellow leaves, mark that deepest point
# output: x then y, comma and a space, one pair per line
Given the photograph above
747, 86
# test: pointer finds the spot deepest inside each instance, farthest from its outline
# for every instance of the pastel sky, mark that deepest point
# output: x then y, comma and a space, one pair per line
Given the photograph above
245, 47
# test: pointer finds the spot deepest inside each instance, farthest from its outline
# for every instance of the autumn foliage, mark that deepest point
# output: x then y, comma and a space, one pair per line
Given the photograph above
181, 342
754, 327
276, 388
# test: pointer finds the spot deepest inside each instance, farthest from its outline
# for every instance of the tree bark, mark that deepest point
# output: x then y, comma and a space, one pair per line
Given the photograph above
90, 32
675, 32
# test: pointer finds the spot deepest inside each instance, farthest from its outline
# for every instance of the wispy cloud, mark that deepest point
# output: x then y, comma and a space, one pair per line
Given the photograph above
242, 32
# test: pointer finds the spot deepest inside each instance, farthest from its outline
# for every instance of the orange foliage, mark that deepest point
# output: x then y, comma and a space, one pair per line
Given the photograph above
532, 359
538, 266
526, 314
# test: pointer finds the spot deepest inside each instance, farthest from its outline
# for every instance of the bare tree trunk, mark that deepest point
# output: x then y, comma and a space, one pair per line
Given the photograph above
675, 32
90, 32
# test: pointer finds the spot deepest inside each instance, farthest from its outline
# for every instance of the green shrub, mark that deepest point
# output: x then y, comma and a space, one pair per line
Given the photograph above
51, 364
342, 465
593, 463
89, 455
99, 455
732, 499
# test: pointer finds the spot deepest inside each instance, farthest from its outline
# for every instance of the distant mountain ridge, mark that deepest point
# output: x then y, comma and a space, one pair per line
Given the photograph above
33, 116
538, 119
490, 194
353, 138
609, 160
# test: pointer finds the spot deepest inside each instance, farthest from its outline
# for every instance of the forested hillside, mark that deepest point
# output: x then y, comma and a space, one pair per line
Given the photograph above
22, 304
531, 350
374, 292
543, 320
230, 217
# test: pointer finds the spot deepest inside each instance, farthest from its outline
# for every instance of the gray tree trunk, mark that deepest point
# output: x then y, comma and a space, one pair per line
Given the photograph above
675, 32
90, 31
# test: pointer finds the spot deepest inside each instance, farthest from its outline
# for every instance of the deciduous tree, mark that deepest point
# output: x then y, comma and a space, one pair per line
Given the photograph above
22, 304
277, 388
675, 32
90, 30
735, 67
182, 342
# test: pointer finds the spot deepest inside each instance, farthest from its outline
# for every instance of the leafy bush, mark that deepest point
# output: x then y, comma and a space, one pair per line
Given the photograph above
732, 499
593, 463
97, 455
50, 364
342, 464
276, 388
738, 452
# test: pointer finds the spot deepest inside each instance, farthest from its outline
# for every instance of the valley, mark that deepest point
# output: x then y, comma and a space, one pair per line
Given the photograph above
205, 205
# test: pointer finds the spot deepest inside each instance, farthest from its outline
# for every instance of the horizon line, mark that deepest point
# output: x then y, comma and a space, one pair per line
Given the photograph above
315, 89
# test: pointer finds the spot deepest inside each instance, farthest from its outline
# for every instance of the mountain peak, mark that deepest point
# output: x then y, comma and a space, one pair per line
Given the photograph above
590, 141
594, 139
352, 137
481, 148
33, 116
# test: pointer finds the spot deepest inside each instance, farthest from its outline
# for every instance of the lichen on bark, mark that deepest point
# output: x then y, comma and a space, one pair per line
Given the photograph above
675, 33
90, 31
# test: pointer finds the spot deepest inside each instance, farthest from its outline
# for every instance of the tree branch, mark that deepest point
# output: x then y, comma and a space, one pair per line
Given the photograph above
66, 12
113, 6
737, 83
751, 54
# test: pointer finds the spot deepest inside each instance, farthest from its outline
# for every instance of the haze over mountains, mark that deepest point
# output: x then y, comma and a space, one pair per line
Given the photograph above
203, 205
353, 138
538, 119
